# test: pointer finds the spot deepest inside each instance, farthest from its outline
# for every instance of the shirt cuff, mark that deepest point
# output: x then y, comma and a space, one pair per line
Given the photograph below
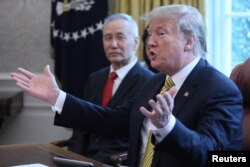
59, 102
161, 133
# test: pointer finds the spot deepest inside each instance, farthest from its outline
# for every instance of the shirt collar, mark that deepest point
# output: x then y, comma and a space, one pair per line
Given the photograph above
121, 73
181, 76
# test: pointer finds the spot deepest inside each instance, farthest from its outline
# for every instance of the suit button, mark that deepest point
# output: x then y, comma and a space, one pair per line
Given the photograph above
97, 140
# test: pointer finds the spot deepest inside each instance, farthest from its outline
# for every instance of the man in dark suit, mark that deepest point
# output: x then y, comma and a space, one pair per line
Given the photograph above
201, 113
120, 41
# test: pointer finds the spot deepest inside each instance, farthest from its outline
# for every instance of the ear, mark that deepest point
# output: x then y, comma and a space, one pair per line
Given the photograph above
189, 45
136, 42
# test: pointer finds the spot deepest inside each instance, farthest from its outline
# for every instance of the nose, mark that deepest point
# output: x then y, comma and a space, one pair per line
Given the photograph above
114, 43
151, 42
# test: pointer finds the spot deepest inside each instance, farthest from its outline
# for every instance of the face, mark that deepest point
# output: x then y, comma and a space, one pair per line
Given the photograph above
119, 43
167, 47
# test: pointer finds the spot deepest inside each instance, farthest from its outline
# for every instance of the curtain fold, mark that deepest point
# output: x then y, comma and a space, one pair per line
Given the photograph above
138, 8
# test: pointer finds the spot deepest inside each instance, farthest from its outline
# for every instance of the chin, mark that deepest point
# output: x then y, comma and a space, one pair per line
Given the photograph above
153, 65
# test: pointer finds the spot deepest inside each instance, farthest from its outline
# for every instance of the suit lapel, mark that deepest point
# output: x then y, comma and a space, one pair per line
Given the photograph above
189, 87
149, 93
154, 90
127, 84
102, 78
124, 88
136, 118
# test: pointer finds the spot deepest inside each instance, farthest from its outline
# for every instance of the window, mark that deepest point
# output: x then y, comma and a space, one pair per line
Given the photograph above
228, 33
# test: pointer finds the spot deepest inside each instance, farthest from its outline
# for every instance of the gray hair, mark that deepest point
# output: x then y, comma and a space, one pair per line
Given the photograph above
123, 16
189, 21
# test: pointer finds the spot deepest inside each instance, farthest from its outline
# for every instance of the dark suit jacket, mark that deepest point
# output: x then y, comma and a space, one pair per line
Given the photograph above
208, 110
100, 147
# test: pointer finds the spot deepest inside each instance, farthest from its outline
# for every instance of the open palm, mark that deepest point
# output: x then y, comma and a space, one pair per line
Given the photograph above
43, 87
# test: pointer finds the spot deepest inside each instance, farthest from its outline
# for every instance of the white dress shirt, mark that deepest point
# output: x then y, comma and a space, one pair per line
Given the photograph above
121, 73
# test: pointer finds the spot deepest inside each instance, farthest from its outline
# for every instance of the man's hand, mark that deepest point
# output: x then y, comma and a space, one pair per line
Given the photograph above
43, 87
161, 109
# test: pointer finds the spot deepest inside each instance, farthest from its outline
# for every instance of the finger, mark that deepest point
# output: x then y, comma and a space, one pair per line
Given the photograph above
155, 106
18, 77
24, 87
145, 112
169, 100
26, 73
164, 103
47, 71
172, 91
21, 82
14, 75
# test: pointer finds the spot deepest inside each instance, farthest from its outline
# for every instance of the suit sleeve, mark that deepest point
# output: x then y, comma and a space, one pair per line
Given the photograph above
105, 121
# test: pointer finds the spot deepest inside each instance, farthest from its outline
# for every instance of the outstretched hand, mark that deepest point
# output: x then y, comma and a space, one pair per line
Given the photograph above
42, 87
161, 109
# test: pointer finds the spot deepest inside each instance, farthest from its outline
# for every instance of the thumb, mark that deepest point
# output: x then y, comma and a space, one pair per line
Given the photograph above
172, 91
47, 71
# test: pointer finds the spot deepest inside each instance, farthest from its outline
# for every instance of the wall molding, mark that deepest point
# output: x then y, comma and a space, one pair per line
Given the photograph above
6, 84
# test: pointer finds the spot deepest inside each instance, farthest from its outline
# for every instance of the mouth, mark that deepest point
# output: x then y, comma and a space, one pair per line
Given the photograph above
114, 53
152, 55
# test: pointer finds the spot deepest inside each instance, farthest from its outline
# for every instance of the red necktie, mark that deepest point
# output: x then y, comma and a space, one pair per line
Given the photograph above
107, 94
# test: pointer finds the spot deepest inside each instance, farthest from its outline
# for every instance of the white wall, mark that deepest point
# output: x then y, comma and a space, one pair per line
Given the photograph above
25, 42
34, 124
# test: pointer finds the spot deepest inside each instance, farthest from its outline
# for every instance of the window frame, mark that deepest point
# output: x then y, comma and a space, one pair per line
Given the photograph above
218, 17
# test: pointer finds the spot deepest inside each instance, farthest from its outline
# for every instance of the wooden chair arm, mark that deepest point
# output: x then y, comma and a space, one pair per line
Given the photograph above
119, 158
